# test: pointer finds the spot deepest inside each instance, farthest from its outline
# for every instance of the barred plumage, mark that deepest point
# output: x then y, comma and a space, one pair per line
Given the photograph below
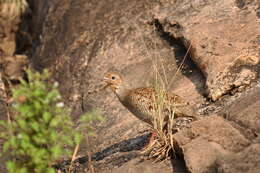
147, 103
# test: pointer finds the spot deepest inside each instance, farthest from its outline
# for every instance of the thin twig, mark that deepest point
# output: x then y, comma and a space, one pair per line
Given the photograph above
179, 68
90, 165
74, 156
5, 96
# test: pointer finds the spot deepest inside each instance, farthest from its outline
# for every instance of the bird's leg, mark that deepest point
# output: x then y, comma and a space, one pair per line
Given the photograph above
149, 144
151, 139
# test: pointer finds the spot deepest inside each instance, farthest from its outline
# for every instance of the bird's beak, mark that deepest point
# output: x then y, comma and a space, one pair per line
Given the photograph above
106, 80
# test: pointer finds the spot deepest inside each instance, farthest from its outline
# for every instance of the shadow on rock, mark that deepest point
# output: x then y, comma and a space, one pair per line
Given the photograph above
128, 145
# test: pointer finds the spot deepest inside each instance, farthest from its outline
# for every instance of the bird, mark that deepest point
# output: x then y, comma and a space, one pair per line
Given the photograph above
144, 102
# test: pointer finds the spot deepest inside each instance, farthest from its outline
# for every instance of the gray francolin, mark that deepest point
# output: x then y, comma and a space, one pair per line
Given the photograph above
142, 102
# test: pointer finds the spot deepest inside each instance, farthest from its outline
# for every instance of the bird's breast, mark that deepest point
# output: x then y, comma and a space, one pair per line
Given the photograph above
140, 110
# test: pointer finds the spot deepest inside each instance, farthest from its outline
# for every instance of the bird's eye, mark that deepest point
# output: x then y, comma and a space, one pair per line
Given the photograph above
113, 77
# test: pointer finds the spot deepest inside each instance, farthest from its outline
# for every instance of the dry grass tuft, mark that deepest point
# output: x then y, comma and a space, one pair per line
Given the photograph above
164, 144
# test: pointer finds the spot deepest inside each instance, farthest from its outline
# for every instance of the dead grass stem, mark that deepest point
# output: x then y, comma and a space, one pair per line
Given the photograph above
164, 144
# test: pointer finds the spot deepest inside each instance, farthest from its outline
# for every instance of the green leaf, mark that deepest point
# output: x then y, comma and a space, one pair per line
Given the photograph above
50, 170
40, 139
54, 123
46, 117
41, 126
78, 138
11, 167
23, 83
22, 170
56, 151
3, 124
35, 126
37, 105
53, 136
6, 146
38, 92
25, 142
24, 109
22, 123
13, 142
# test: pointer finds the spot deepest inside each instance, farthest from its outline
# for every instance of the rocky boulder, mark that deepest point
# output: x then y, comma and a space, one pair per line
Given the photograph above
203, 50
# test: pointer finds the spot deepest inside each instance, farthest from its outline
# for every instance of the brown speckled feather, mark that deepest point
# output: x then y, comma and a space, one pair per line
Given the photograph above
143, 103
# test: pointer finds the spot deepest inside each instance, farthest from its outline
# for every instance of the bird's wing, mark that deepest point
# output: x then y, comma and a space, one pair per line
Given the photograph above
139, 102
181, 106
145, 103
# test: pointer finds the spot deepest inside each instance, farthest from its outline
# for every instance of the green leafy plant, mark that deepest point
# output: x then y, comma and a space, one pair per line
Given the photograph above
85, 127
40, 126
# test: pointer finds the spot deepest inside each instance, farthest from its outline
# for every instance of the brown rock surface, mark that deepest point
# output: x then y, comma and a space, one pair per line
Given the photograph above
81, 40
224, 36
10, 18
207, 141
246, 110
135, 166
244, 161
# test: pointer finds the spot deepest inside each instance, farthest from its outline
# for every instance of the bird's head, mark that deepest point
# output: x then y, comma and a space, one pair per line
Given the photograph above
113, 80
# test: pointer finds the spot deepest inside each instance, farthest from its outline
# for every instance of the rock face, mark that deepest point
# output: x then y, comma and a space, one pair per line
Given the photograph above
11, 63
224, 36
81, 40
